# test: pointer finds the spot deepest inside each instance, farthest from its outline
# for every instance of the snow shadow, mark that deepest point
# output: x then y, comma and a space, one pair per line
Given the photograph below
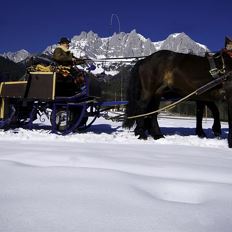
103, 128
184, 131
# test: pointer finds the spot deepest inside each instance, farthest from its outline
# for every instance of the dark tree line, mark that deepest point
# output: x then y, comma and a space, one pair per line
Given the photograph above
10, 71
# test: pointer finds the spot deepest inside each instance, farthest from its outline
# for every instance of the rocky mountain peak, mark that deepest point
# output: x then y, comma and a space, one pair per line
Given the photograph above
17, 56
182, 43
90, 44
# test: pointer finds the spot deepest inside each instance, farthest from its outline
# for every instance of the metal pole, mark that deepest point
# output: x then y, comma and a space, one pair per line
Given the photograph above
111, 21
119, 30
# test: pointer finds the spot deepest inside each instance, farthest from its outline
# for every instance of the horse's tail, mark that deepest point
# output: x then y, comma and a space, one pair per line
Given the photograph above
133, 95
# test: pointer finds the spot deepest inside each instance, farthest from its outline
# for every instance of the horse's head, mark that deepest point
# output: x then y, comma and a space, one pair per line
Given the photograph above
227, 59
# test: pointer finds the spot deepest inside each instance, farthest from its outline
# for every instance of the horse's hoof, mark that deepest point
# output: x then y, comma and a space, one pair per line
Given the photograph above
217, 135
230, 140
143, 137
217, 132
201, 134
156, 137
230, 144
136, 133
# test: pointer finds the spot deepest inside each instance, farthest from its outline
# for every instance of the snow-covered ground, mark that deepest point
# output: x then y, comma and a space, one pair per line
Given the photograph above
106, 180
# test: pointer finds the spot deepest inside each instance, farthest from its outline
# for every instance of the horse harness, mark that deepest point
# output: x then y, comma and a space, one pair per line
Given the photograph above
214, 70
219, 74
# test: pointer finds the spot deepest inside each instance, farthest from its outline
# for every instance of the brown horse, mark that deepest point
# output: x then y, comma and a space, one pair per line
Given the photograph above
165, 73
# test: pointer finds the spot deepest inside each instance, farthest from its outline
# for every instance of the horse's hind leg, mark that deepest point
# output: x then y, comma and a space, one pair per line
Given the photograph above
199, 116
215, 112
140, 129
141, 122
154, 129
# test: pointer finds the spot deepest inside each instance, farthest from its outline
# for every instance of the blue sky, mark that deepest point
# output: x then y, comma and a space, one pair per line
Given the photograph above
33, 25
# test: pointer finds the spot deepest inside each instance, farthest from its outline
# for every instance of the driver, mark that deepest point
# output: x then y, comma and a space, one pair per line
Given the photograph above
66, 61
63, 56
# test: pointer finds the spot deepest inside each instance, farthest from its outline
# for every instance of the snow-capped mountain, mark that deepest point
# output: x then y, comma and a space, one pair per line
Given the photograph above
130, 44
17, 56
127, 45
133, 44
118, 45
180, 42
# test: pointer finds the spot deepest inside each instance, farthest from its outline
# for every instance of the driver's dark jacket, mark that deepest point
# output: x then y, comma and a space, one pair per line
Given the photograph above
63, 56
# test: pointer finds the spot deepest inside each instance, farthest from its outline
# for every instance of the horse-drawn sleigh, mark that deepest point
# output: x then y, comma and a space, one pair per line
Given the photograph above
152, 78
42, 93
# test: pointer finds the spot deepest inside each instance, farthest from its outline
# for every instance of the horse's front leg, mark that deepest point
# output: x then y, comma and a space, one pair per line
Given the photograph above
140, 129
228, 88
154, 129
141, 124
230, 122
216, 115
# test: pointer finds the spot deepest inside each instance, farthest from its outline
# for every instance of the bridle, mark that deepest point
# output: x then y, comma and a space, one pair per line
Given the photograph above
216, 71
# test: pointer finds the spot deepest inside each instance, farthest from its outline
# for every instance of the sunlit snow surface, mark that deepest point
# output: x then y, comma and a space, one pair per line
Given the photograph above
107, 180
